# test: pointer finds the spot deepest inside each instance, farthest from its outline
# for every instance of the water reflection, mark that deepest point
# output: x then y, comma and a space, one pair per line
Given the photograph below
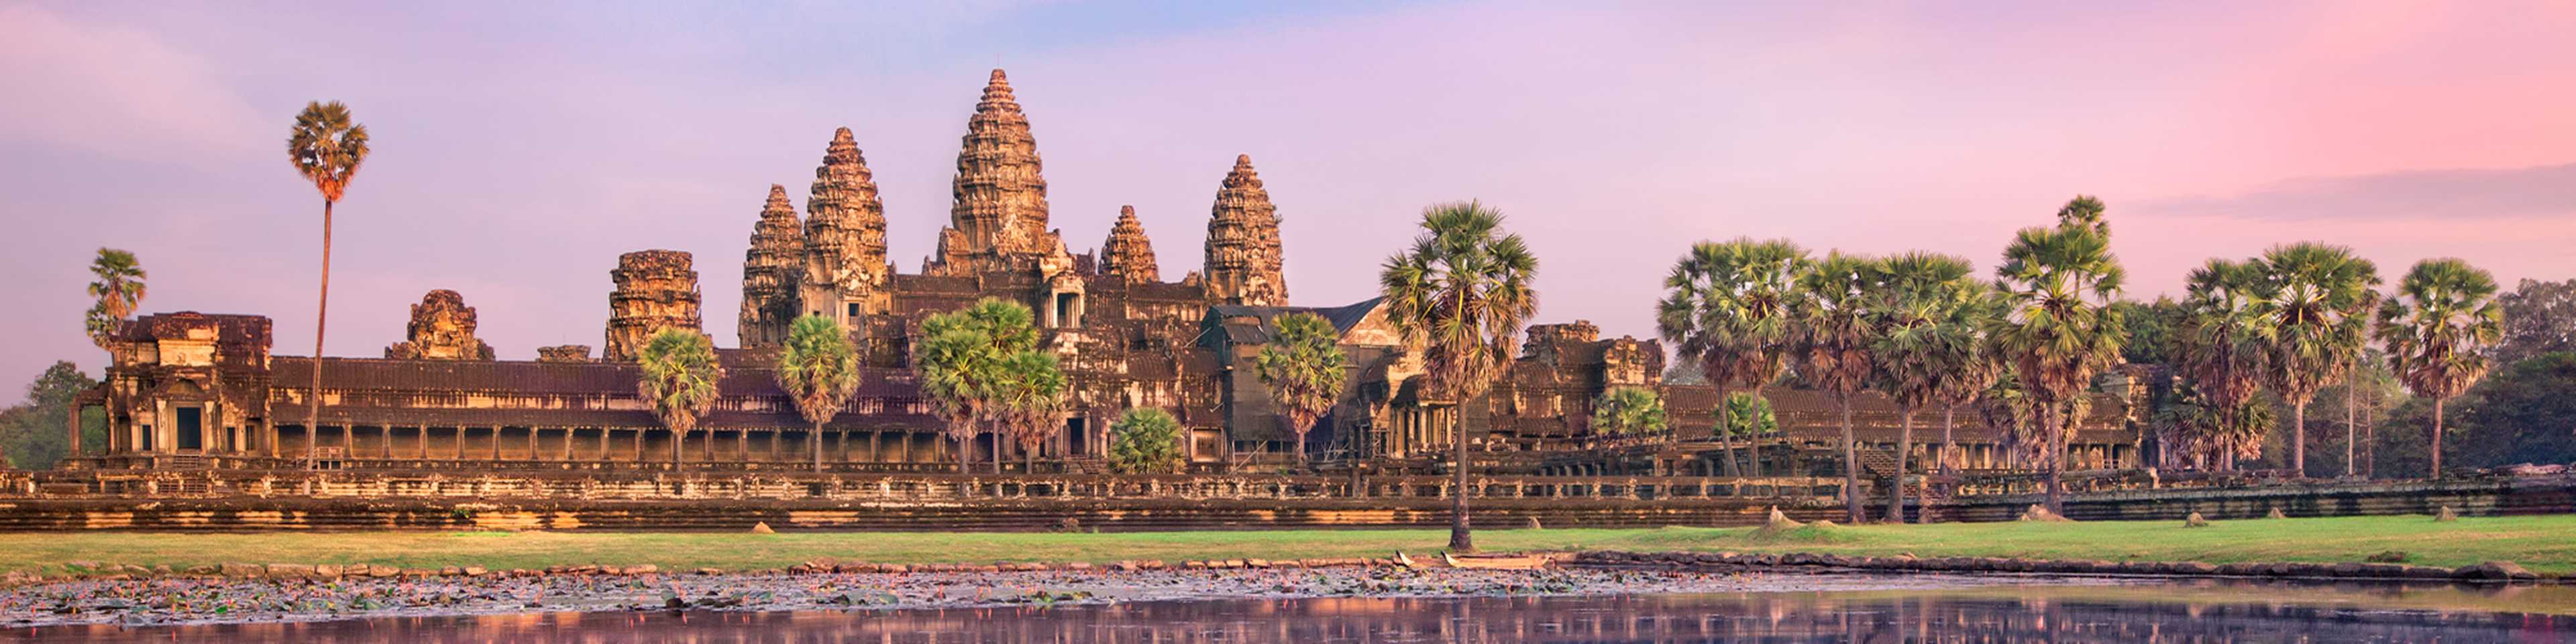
2178, 614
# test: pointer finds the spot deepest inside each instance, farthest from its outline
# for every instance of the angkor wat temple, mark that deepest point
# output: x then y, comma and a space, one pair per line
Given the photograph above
192, 390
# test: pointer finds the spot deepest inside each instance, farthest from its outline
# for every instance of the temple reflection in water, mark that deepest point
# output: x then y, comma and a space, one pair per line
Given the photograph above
2060, 615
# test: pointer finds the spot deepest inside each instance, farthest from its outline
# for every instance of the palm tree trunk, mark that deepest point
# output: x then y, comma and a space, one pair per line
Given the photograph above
965, 447
1723, 436
1302, 427
675, 449
2056, 460
1459, 539
816, 440
1851, 465
321, 315
1948, 446
2437, 439
2350, 429
1904, 447
2299, 440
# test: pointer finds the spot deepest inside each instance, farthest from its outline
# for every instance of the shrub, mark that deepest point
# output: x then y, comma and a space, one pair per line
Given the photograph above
1146, 441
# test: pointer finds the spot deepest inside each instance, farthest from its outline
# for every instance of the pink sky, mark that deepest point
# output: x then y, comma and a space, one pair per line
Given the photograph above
518, 153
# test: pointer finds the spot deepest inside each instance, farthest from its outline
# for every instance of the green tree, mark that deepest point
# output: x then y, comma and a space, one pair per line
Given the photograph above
679, 377
2057, 328
1750, 415
2226, 351
326, 146
2438, 329
1629, 411
819, 370
2539, 318
1924, 315
2314, 304
1029, 401
1303, 367
1459, 298
960, 365
118, 290
2150, 327
1146, 441
32, 432
1726, 310
2521, 414
1972, 372
1836, 333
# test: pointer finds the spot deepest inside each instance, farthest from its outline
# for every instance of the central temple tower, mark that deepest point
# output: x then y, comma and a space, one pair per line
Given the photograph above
998, 220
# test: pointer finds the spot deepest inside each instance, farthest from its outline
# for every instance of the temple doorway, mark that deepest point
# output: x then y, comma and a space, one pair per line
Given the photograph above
192, 431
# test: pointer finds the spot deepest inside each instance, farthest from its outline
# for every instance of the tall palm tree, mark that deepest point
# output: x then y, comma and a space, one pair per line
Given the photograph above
1629, 411
2226, 342
818, 369
1726, 308
2313, 300
2438, 328
1303, 367
118, 291
955, 374
1926, 332
1832, 309
1029, 398
2057, 328
326, 146
679, 379
1972, 371
1459, 298
960, 365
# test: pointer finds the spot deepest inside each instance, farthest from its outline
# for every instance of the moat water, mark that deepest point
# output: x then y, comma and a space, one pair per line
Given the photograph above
2058, 614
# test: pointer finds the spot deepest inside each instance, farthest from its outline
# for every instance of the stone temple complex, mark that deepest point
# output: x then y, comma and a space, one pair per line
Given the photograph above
203, 390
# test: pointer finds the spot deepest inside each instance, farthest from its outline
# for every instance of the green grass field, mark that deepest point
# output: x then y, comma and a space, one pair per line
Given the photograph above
2545, 544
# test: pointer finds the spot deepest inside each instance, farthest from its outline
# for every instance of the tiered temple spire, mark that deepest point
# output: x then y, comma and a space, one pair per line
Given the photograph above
998, 219
845, 235
771, 270
1243, 255
1128, 254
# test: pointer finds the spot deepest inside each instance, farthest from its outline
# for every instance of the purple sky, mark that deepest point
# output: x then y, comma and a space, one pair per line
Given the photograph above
518, 151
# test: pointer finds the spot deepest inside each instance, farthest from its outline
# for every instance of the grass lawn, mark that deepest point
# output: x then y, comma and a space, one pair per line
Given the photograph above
2544, 544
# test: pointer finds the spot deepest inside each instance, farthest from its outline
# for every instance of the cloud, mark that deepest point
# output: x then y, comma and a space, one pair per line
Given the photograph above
112, 90
2538, 191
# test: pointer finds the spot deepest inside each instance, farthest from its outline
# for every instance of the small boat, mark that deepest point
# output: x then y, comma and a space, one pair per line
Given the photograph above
1496, 562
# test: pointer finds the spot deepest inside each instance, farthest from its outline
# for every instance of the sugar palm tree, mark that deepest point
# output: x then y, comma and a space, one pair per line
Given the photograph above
960, 365
326, 146
1973, 370
1029, 398
2226, 348
2312, 301
818, 369
1925, 332
1836, 332
2438, 328
2057, 328
1459, 297
1303, 367
954, 374
1726, 308
680, 375
118, 291
1629, 411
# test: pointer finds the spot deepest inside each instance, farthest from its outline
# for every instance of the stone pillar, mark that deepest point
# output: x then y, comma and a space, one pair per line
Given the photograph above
72, 430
